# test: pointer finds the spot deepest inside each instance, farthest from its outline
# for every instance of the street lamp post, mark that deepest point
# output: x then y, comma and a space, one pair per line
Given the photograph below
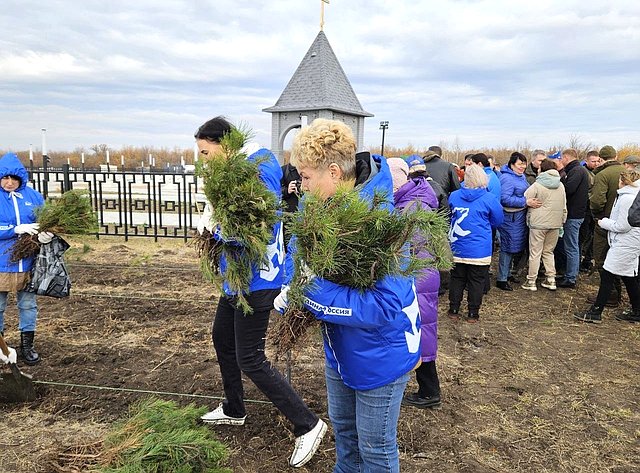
383, 126
45, 161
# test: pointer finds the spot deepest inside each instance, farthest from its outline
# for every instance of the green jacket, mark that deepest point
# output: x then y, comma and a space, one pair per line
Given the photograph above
605, 188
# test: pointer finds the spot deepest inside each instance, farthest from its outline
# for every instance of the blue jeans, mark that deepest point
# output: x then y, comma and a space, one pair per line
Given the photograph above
504, 265
571, 239
365, 424
27, 309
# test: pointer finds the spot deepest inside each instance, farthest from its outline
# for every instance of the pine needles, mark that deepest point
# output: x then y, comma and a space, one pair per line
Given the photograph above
160, 437
355, 243
244, 211
70, 214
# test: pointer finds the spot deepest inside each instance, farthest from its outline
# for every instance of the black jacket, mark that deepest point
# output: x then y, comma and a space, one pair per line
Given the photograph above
634, 212
443, 173
289, 173
576, 186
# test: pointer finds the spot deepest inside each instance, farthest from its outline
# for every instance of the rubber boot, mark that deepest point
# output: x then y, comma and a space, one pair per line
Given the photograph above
29, 355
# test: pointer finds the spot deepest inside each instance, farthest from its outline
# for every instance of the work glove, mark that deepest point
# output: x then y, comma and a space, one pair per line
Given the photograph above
9, 359
45, 237
206, 220
281, 301
29, 228
306, 271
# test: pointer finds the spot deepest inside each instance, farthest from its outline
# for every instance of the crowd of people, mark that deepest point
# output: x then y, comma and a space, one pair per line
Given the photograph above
551, 210
547, 210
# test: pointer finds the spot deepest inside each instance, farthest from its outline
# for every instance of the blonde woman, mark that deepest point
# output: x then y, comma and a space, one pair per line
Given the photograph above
367, 350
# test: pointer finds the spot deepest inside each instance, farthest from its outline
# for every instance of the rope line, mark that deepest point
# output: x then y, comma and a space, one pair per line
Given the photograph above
112, 296
140, 391
128, 267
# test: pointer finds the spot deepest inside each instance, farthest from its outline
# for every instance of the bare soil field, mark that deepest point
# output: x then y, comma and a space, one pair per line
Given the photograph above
528, 389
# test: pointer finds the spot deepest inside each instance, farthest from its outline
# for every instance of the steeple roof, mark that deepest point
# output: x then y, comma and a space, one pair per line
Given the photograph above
319, 83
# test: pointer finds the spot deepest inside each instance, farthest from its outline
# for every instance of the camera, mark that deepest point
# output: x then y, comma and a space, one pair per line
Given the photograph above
298, 187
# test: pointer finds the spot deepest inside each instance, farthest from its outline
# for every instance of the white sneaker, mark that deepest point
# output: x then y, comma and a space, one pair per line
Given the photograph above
307, 444
218, 417
549, 284
530, 286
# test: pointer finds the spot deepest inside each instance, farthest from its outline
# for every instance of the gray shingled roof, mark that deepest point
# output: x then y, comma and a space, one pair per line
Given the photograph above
319, 83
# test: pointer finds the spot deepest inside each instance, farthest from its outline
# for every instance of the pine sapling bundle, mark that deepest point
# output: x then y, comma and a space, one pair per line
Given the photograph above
69, 214
160, 436
244, 213
355, 243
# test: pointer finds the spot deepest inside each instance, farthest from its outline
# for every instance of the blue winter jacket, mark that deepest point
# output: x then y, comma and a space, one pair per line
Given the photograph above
474, 212
494, 185
15, 208
272, 275
513, 231
371, 337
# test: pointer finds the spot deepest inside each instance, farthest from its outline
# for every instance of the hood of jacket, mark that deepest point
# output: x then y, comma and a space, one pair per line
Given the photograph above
629, 189
549, 179
416, 189
10, 165
472, 194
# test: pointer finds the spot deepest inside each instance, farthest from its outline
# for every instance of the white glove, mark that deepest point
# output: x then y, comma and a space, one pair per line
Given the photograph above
306, 271
206, 220
45, 237
281, 302
30, 228
9, 359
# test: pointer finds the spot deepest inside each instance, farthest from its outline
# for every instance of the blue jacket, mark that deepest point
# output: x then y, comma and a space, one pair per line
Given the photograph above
15, 208
494, 185
371, 337
271, 276
474, 212
513, 231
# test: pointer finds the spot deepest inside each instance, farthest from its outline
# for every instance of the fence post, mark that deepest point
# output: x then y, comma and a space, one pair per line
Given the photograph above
66, 183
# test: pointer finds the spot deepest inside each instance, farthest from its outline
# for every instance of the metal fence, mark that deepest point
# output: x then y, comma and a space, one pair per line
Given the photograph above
142, 203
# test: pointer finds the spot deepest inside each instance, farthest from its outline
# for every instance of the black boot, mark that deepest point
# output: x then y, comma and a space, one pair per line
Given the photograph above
27, 352
629, 315
593, 315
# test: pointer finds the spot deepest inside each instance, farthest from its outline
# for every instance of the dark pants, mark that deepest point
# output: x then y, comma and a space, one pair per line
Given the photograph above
239, 342
427, 378
473, 278
586, 238
607, 281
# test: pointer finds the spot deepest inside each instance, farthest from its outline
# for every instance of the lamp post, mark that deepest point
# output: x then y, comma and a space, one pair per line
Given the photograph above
45, 161
383, 126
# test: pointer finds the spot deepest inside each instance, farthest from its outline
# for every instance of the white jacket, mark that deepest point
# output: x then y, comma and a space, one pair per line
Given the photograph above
624, 240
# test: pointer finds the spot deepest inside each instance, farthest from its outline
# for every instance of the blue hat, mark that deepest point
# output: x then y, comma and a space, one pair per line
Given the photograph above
556, 155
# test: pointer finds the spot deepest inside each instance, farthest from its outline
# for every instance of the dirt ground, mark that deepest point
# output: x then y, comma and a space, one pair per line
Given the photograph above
528, 389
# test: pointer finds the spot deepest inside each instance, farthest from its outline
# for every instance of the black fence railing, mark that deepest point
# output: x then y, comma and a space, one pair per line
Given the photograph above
142, 203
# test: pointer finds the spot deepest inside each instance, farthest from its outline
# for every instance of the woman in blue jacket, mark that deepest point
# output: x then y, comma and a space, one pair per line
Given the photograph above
372, 337
513, 231
17, 205
475, 212
239, 339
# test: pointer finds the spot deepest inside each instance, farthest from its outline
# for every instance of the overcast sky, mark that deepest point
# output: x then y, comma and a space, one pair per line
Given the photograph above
469, 72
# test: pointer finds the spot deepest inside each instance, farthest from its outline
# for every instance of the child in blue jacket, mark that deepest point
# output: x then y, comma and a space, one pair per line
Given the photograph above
372, 337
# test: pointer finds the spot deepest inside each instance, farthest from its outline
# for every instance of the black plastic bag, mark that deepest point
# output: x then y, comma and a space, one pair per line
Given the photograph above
49, 276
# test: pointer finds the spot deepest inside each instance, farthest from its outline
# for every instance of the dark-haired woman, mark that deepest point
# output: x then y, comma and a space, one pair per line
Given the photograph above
513, 231
239, 339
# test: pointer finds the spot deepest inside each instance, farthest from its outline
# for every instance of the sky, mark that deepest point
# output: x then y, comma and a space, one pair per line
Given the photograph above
463, 73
